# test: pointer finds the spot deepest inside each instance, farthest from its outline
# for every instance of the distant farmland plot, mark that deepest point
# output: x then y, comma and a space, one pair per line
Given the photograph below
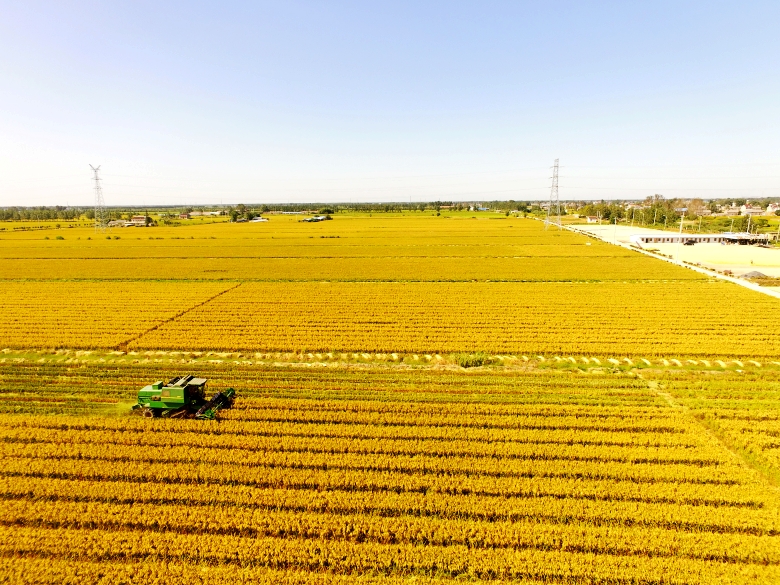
399, 284
550, 318
365, 249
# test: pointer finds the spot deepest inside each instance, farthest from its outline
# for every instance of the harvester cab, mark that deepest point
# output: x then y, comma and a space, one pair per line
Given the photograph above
181, 397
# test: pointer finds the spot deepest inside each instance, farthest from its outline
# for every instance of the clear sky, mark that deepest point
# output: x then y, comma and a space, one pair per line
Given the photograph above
288, 101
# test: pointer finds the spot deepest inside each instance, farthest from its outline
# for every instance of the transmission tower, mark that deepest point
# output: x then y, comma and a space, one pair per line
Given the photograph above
554, 209
101, 217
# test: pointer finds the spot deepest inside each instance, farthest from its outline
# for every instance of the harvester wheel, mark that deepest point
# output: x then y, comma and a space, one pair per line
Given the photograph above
147, 412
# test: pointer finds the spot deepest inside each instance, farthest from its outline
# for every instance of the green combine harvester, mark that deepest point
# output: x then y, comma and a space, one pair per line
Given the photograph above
181, 397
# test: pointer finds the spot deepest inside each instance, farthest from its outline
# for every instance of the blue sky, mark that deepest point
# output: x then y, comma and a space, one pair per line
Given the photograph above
188, 103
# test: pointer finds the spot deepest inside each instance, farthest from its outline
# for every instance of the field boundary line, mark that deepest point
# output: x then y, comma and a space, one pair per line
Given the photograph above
124, 345
367, 281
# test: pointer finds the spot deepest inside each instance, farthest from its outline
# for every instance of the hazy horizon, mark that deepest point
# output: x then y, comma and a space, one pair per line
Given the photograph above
301, 102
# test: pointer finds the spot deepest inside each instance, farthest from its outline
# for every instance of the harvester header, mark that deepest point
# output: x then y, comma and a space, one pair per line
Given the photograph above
182, 397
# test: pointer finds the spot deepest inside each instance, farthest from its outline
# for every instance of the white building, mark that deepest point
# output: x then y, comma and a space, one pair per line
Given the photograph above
751, 210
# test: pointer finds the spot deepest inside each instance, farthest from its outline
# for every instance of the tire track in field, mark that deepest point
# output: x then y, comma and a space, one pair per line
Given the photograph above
124, 345
714, 433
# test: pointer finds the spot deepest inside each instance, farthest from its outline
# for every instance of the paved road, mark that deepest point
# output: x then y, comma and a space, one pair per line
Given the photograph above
738, 259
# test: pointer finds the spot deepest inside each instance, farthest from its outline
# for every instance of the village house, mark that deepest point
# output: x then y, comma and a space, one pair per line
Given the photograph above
751, 210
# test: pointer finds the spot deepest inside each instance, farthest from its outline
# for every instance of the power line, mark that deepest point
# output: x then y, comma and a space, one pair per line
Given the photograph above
554, 201
101, 217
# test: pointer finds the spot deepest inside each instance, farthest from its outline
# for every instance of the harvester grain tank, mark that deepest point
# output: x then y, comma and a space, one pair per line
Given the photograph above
182, 397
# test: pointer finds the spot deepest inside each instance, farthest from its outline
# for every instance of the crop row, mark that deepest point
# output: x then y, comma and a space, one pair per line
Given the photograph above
394, 463
241, 430
482, 410
545, 509
409, 530
349, 557
387, 269
242, 248
51, 570
346, 479
507, 450
531, 393
455, 421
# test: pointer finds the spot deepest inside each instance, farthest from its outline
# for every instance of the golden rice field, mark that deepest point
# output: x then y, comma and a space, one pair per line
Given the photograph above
401, 283
401, 248
383, 475
623, 427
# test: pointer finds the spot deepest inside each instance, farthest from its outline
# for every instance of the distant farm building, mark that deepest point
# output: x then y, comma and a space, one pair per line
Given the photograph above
742, 238
751, 210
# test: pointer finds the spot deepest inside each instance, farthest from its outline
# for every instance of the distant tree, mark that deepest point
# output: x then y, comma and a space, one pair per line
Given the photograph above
606, 211
741, 223
695, 208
